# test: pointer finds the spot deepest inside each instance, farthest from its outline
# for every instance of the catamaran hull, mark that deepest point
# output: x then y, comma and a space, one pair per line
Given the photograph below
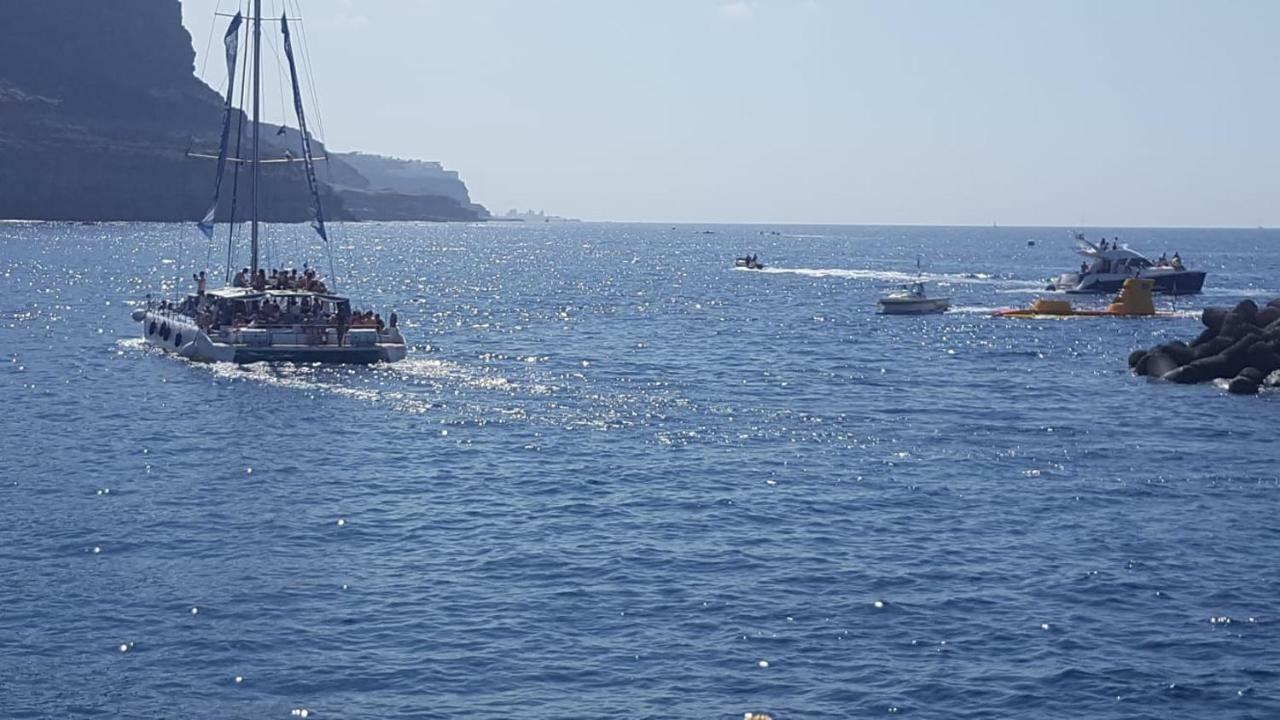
178, 336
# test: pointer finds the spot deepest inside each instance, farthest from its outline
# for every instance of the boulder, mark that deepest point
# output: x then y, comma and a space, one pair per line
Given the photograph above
1241, 385
1235, 325
1246, 309
1239, 349
1212, 317
1266, 316
1263, 357
1202, 370
1213, 347
1253, 374
1157, 363
1180, 352
1204, 337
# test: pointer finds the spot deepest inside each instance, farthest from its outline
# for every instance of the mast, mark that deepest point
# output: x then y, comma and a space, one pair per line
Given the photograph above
257, 118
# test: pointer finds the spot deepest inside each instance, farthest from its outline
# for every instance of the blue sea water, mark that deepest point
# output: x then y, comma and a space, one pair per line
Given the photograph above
618, 478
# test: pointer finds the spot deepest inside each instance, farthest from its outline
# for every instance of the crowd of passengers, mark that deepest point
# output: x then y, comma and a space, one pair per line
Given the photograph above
285, 311
280, 280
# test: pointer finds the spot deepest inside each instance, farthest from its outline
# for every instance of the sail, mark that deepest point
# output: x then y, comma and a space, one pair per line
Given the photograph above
307, 159
232, 43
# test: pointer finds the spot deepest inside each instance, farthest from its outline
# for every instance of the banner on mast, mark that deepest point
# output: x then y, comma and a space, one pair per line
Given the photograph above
232, 43
307, 158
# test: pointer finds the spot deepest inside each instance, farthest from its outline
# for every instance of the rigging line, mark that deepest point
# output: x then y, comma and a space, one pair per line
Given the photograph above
280, 81
213, 26
312, 87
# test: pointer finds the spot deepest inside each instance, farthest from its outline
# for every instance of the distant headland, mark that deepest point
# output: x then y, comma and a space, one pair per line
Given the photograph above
533, 216
101, 105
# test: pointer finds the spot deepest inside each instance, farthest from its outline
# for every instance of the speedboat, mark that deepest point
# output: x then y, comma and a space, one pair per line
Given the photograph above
749, 262
1107, 267
912, 300
294, 319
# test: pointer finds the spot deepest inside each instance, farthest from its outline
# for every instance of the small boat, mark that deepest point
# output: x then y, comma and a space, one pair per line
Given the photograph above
291, 319
912, 300
749, 262
1133, 301
1106, 267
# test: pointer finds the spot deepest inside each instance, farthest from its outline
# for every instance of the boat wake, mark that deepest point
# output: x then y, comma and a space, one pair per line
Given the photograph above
414, 385
895, 276
972, 310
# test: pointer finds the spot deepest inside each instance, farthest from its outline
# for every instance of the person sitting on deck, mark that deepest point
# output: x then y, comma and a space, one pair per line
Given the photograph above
394, 320
260, 281
1177, 261
241, 279
377, 322
1084, 268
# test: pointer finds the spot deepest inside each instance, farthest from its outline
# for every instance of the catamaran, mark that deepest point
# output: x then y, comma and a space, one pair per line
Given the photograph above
256, 318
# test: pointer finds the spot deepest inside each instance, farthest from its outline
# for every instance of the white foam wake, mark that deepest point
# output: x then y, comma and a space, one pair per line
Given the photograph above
895, 276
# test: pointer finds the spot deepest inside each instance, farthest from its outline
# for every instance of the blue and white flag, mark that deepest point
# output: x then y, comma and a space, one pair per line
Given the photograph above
307, 159
232, 43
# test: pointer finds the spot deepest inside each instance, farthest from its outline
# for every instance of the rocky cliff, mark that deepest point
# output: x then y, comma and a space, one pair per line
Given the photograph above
99, 105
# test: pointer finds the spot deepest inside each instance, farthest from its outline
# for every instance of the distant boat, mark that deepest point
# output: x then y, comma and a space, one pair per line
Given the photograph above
912, 300
1107, 267
292, 319
750, 262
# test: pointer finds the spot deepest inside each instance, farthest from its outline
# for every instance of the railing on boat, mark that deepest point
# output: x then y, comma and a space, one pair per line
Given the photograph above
293, 334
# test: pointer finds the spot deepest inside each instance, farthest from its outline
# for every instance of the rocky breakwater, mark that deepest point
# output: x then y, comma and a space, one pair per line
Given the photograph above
1240, 346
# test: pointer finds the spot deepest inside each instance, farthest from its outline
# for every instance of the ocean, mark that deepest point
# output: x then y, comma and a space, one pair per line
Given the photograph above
617, 478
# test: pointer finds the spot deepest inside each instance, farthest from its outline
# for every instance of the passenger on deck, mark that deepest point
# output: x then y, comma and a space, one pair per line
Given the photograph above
394, 319
260, 281
1084, 268
1104, 244
1177, 261
200, 283
241, 279
377, 322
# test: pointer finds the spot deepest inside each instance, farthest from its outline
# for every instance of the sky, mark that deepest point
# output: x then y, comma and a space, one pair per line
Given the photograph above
935, 112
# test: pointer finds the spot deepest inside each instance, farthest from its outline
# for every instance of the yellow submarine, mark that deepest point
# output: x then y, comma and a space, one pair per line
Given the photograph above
1133, 301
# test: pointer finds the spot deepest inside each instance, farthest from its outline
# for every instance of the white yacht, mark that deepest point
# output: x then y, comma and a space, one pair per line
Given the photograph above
257, 318
912, 300
1107, 266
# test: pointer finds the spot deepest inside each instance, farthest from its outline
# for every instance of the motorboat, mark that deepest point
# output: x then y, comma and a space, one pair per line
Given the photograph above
749, 262
912, 300
1133, 301
1106, 267
291, 317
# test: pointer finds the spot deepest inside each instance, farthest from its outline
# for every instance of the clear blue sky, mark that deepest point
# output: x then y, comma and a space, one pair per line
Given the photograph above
1061, 112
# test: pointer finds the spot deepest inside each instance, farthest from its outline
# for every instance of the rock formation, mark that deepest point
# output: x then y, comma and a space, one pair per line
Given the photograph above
99, 105
1240, 345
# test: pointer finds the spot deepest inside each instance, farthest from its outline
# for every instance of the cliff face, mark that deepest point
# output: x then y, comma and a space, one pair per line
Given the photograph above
98, 107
